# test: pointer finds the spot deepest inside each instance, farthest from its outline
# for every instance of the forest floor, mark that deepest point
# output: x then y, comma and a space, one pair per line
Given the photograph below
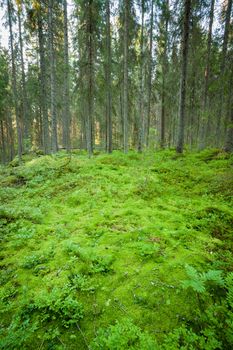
126, 238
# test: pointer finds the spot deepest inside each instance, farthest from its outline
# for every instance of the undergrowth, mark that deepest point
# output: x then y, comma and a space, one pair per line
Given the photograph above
117, 252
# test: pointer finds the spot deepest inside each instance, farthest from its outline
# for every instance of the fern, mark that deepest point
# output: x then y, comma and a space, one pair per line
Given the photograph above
195, 281
199, 281
229, 285
214, 276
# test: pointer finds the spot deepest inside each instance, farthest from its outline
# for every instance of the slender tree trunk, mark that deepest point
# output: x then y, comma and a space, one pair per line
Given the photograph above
164, 71
3, 142
53, 107
10, 136
222, 71
206, 126
229, 134
26, 121
184, 48
43, 85
108, 81
192, 109
141, 100
14, 83
125, 79
90, 72
66, 112
150, 74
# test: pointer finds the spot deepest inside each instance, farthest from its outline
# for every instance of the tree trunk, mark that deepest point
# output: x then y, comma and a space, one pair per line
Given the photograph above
10, 136
90, 72
53, 101
184, 48
26, 121
108, 81
164, 71
66, 112
222, 71
43, 89
141, 100
14, 83
229, 135
3, 143
206, 126
150, 74
125, 78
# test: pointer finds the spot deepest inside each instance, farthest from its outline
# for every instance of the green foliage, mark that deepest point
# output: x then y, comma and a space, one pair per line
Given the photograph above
186, 339
122, 336
49, 312
58, 305
229, 286
87, 242
147, 250
102, 264
82, 282
148, 188
200, 281
33, 260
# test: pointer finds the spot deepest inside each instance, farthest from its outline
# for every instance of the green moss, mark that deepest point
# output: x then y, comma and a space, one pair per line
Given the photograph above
111, 235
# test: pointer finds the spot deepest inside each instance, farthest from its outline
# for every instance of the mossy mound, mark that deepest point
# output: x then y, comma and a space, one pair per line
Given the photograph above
103, 243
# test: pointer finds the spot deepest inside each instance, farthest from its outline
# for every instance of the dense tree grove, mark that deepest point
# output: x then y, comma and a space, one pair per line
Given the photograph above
115, 74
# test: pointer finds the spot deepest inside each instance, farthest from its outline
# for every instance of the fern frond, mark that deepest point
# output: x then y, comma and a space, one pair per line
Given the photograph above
191, 272
229, 285
213, 276
196, 285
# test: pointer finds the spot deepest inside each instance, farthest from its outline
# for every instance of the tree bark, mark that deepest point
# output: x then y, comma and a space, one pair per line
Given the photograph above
125, 78
222, 71
164, 71
150, 74
66, 112
14, 83
3, 142
10, 136
229, 135
26, 121
108, 81
141, 101
43, 86
90, 72
184, 48
206, 126
53, 101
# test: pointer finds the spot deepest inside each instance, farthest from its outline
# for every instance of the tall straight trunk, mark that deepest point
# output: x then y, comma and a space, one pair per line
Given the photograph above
206, 126
14, 84
108, 81
10, 136
164, 71
141, 99
192, 109
125, 78
150, 74
90, 72
229, 134
184, 50
26, 121
222, 70
53, 109
3, 142
83, 114
43, 86
66, 112
229, 138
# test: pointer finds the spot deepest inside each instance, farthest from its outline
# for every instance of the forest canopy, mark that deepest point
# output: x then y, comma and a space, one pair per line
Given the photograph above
115, 75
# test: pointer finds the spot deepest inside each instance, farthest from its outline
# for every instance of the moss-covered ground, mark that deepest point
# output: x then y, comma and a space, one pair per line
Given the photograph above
86, 242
